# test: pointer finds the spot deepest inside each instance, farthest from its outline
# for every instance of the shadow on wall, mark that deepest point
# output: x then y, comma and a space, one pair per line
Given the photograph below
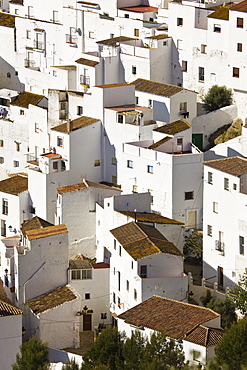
216, 276
9, 77
177, 74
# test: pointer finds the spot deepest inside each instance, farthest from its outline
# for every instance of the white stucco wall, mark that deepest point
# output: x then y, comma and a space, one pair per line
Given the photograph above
11, 339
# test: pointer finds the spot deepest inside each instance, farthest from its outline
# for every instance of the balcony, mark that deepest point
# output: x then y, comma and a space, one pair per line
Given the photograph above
220, 247
32, 159
71, 39
39, 45
28, 63
85, 80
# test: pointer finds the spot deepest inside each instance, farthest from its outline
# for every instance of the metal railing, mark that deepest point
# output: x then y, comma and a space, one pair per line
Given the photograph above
220, 247
29, 63
71, 39
38, 45
84, 80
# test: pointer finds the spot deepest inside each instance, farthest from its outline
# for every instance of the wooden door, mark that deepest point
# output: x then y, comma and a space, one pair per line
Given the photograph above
87, 322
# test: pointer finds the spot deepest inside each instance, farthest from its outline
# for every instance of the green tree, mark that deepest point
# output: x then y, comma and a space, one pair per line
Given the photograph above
231, 352
71, 365
193, 245
217, 97
226, 309
34, 355
239, 295
106, 350
134, 351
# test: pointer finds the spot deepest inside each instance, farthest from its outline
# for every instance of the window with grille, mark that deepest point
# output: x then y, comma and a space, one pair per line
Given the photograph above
5, 206
226, 183
210, 230
210, 178
201, 74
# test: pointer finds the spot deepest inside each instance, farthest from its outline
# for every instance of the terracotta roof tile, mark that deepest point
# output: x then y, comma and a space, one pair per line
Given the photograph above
140, 240
46, 232
235, 166
87, 62
173, 127
156, 88
75, 124
34, 223
115, 40
100, 265
20, 2
161, 36
51, 299
7, 20
141, 9
176, 318
150, 217
84, 185
14, 185
25, 98
205, 336
240, 7
6, 307
109, 86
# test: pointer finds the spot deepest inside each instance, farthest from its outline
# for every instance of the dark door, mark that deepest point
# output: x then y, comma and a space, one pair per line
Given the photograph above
197, 140
220, 276
87, 322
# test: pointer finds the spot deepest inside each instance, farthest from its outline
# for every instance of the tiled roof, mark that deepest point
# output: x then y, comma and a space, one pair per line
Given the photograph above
75, 124
240, 7
17, 2
141, 9
109, 86
3, 295
101, 265
205, 336
7, 20
173, 127
115, 40
51, 299
84, 185
34, 223
87, 62
140, 240
160, 142
221, 13
25, 98
175, 318
14, 185
161, 36
156, 88
150, 217
78, 264
235, 166
45, 232
6, 307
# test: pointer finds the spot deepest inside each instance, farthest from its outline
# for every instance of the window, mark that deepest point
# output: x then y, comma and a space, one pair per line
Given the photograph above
76, 274
1, 143
136, 32
79, 110
134, 189
132, 265
217, 28
55, 165
150, 103
127, 285
5, 206
103, 315
226, 183
135, 294
235, 72
30, 12
203, 48
120, 251
59, 141
241, 245
150, 169
240, 22
115, 244
1, 160
16, 11
3, 228
54, 73
55, 16
179, 44
129, 163
234, 186
239, 47
137, 100
114, 298
114, 160
91, 35
210, 230
111, 35
21, 112
97, 162
87, 295
184, 65
143, 271
16, 164
126, 16
183, 107
179, 22
28, 34
18, 145
86, 274
120, 118
119, 280
134, 70
188, 195
63, 166
210, 178
201, 74
215, 207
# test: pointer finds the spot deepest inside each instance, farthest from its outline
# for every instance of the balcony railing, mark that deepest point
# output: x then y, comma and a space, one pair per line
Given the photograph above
71, 39
29, 63
84, 80
220, 247
38, 45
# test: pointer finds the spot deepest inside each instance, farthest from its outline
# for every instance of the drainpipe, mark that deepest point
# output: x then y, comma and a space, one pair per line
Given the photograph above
24, 285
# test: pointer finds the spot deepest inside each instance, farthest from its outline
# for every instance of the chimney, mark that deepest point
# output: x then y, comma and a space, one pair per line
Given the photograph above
69, 126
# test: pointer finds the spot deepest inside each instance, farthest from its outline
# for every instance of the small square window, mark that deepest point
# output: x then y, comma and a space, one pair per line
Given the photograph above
239, 47
235, 72
134, 70
55, 165
188, 195
183, 107
129, 163
54, 73
16, 164
91, 35
120, 118
1, 160
215, 207
136, 32
234, 186
226, 183
87, 295
210, 230
179, 22
103, 315
240, 22
126, 16
203, 48
184, 65
210, 178
22, 112
150, 169
59, 141
135, 189
164, 43
16, 11
79, 110
28, 34
217, 28
97, 162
